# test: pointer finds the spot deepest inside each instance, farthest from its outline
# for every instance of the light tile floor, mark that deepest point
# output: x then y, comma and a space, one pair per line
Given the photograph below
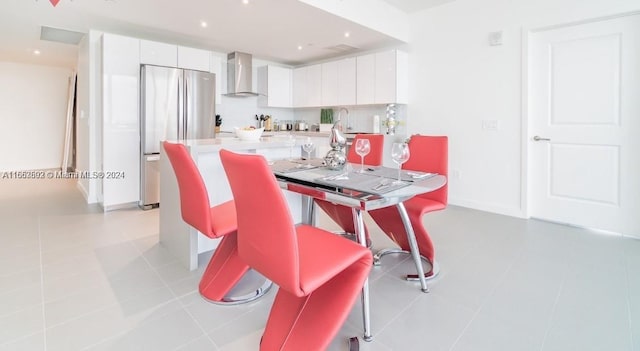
74, 278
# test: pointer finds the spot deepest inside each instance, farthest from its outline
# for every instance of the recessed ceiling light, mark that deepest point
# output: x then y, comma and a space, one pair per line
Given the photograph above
203, 24
36, 52
245, 2
347, 34
299, 47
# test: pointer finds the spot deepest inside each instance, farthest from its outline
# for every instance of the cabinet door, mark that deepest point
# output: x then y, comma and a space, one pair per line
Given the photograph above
300, 87
120, 126
278, 86
385, 77
330, 93
314, 85
215, 67
196, 59
347, 81
365, 82
160, 54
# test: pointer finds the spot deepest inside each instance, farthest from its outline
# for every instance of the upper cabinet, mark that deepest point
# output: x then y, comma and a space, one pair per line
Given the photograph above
215, 66
339, 82
330, 87
159, 54
347, 81
196, 59
366, 79
274, 86
391, 77
307, 86
382, 78
168, 55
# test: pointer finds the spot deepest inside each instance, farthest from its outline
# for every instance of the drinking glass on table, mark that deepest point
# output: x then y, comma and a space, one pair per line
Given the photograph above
291, 143
363, 147
399, 154
308, 148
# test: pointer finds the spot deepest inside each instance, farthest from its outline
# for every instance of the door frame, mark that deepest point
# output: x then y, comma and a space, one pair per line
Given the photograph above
525, 166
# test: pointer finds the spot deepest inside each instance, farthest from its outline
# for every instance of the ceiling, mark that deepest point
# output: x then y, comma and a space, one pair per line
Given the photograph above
286, 31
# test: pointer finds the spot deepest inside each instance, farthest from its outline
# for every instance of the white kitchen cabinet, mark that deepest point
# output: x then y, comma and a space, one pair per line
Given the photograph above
196, 59
215, 66
120, 147
314, 85
366, 79
307, 86
346, 81
274, 86
299, 95
160, 54
330, 86
382, 78
391, 80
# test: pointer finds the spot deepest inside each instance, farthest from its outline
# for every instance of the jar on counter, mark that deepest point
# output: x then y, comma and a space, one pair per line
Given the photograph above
267, 123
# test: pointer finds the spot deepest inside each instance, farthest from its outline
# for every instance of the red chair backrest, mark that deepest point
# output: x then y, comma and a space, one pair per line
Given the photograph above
430, 154
194, 198
374, 158
266, 232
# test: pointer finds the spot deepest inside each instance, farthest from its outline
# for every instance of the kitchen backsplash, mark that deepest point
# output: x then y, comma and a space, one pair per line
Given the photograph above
241, 111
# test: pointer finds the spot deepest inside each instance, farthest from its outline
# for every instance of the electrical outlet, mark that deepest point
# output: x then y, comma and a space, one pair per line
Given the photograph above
457, 174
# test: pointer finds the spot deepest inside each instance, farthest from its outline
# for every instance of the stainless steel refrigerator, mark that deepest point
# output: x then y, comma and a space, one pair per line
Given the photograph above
176, 104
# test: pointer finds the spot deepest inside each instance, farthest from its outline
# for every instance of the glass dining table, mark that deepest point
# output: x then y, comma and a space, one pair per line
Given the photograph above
372, 188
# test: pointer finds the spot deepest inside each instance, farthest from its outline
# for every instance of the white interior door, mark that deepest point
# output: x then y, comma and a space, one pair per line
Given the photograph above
584, 97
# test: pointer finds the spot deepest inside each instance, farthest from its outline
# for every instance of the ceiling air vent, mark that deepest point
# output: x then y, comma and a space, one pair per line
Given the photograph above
60, 35
341, 48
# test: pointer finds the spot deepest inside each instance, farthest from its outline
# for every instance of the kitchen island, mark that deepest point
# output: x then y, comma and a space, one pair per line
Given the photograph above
182, 240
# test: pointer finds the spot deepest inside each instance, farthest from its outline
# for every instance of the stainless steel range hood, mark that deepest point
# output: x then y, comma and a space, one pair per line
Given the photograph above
239, 75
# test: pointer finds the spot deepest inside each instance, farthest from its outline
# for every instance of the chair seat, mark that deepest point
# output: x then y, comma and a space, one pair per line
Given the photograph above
225, 219
323, 255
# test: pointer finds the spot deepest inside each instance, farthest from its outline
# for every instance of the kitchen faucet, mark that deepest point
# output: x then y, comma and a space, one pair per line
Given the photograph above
340, 117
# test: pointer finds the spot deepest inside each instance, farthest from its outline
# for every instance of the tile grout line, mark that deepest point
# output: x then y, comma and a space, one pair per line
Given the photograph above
44, 319
502, 278
555, 305
178, 300
175, 298
629, 312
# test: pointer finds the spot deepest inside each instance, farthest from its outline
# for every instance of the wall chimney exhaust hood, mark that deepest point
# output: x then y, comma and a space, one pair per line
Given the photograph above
239, 75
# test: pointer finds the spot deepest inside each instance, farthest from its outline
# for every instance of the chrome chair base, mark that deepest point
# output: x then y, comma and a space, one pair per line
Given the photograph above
242, 299
435, 267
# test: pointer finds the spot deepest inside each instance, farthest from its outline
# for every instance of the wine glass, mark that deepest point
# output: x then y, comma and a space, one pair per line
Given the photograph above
291, 143
363, 147
308, 148
399, 154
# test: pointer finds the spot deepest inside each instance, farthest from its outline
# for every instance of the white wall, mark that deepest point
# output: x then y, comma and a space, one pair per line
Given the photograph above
33, 108
457, 80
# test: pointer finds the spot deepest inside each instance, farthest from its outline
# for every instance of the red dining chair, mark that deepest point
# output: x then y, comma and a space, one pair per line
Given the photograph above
318, 273
428, 154
225, 268
342, 215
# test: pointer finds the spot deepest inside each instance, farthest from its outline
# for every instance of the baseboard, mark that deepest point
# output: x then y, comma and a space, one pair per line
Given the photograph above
119, 206
85, 193
488, 207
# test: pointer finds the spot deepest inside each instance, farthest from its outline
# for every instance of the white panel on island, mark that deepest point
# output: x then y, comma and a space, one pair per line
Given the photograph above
179, 238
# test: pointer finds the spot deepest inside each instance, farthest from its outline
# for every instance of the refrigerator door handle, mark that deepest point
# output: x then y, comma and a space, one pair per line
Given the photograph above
186, 105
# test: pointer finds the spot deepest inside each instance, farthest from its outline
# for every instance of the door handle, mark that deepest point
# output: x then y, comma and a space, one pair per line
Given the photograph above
537, 138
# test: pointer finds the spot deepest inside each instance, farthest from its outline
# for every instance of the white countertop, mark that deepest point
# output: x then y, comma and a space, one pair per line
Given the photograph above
231, 142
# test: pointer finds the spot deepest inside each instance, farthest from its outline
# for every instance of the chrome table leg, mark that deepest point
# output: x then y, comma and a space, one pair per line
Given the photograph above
413, 244
362, 239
